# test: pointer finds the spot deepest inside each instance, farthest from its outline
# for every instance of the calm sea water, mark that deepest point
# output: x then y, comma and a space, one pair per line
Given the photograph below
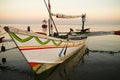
102, 63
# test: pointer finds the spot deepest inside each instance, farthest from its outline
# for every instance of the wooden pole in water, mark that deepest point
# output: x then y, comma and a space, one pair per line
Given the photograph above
3, 49
28, 28
83, 21
4, 60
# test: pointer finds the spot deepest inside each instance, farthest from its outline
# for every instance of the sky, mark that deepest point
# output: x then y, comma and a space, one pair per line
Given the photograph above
33, 11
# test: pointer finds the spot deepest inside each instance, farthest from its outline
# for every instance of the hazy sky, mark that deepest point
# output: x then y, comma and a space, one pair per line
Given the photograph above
33, 11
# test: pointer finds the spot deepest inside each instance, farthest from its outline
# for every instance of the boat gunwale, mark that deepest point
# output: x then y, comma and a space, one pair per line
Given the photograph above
30, 33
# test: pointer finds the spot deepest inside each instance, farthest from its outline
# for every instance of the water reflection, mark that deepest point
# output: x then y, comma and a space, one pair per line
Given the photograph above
98, 66
64, 70
13, 65
84, 66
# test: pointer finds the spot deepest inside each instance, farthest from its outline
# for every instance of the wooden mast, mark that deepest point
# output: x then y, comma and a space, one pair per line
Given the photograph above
50, 16
49, 20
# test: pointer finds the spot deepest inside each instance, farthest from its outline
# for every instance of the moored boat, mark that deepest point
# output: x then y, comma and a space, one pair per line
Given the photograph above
46, 51
41, 51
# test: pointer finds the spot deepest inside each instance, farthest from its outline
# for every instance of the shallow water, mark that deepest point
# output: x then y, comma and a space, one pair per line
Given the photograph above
104, 43
15, 67
98, 66
102, 63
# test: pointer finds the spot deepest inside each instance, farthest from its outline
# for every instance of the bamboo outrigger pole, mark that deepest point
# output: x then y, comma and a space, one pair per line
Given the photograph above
49, 11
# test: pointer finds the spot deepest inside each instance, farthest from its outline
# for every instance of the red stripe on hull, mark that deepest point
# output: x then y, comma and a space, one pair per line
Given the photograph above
40, 48
33, 63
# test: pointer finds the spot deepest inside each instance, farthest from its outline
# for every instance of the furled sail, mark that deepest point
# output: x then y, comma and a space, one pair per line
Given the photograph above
65, 16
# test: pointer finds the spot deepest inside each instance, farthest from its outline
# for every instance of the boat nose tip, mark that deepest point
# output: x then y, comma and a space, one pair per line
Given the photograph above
6, 28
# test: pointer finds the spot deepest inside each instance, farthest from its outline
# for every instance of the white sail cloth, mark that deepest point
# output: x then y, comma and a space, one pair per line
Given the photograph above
65, 16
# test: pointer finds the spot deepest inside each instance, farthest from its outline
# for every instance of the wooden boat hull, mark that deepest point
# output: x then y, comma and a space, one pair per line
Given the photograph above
43, 52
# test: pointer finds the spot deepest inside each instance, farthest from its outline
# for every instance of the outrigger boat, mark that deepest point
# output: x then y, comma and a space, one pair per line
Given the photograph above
46, 51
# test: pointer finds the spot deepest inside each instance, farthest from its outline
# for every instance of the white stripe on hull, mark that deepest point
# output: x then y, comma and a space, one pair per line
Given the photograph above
48, 55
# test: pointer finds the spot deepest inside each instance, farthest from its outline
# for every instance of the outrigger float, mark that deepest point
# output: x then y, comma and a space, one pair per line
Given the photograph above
44, 51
